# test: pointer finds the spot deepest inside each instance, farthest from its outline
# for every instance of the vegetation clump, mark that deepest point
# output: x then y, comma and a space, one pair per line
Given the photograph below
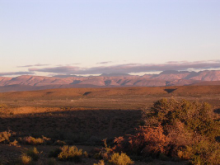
149, 141
25, 159
120, 159
176, 130
70, 153
101, 162
35, 141
195, 116
4, 137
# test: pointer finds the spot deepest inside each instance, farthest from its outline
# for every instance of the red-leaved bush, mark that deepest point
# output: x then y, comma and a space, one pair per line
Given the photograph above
148, 141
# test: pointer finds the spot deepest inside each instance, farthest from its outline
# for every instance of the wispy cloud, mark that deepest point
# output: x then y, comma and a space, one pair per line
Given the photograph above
105, 62
132, 68
15, 73
28, 66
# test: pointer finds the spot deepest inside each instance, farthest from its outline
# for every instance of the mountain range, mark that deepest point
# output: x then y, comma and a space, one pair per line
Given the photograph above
166, 78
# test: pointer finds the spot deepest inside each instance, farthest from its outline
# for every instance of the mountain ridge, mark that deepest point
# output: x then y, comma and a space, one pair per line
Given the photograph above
166, 78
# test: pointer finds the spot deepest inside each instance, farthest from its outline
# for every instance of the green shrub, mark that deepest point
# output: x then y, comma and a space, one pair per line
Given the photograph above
120, 159
70, 153
202, 153
197, 117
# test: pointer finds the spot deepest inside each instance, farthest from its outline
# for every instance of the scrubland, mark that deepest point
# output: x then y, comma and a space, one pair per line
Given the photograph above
119, 126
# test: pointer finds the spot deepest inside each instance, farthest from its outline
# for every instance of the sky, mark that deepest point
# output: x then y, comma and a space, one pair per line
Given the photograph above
88, 37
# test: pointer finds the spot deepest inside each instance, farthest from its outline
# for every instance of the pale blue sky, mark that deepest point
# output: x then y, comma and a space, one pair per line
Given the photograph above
83, 33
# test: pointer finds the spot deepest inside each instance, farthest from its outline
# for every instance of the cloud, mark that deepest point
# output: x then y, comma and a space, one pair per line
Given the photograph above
28, 66
59, 69
14, 73
104, 62
132, 68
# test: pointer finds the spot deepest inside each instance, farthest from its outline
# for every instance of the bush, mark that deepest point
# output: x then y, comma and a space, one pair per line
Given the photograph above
35, 141
101, 162
25, 159
202, 153
120, 159
70, 153
148, 141
196, 117
33, 153
178, 129
14, 143
4, 136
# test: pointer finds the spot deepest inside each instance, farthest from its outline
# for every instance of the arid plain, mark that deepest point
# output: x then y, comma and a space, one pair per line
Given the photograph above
84, 117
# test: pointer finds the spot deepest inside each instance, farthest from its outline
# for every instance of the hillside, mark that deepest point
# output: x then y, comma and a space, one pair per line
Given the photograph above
166, 78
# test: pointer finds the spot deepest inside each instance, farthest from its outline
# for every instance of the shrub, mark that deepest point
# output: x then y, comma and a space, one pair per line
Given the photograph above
196, 117
85, 154
33, 153
103, 153
25, 159
148, 141
14, 143
70, 153
35, 141
178, 129
101, 162
4, 136
120, 159
202, 153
